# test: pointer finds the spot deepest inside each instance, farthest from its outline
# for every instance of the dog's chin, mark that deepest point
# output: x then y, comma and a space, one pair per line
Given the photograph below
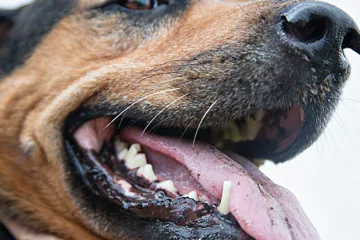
188, 183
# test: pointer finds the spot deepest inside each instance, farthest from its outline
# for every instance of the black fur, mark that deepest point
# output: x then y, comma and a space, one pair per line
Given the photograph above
30, 25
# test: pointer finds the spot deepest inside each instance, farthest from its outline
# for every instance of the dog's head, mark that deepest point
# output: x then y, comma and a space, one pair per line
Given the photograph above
175, 79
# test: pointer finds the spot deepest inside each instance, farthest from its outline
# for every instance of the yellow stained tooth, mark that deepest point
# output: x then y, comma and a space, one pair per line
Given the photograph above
138, 161
147, 172
260, 116
192, 195
224, 204
252, 129
259, 162
219, 145
235, 135
302, 114
167, 185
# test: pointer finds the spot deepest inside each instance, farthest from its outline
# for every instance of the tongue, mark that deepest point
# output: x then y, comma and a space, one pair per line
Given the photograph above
263, 209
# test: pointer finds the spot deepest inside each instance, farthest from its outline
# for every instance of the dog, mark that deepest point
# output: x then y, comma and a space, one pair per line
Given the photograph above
145, 119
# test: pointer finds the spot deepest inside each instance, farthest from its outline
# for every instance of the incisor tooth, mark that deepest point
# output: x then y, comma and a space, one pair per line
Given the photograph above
302, 114
138, 161
120, 145
167, 185
147, 172
192, 195
224, 204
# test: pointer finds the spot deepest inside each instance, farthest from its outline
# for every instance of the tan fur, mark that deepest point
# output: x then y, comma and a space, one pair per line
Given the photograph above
76, 64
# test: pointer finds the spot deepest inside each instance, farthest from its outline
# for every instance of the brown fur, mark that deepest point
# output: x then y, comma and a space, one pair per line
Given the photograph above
83, 61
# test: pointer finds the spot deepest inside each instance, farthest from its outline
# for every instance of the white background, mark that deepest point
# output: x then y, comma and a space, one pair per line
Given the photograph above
326, 177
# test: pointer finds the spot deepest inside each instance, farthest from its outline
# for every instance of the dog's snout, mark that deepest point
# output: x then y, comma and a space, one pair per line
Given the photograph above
318, 28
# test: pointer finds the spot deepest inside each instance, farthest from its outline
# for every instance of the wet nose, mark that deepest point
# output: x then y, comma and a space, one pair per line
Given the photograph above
318, 28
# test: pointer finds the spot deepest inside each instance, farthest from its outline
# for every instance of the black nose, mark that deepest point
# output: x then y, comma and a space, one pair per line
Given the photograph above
318, 28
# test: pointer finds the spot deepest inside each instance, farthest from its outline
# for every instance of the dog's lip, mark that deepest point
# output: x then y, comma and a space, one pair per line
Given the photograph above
278, 153
255, 219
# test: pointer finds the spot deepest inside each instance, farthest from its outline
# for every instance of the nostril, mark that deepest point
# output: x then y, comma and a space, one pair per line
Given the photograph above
352, 41
306, 31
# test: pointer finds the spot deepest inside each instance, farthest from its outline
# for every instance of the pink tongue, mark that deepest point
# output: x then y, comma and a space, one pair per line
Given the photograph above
263, 209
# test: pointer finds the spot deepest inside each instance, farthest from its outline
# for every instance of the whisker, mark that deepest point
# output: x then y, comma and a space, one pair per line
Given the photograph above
351, 100
182, 135
121, 121
202, 120
161, 111
133, 104
157, 125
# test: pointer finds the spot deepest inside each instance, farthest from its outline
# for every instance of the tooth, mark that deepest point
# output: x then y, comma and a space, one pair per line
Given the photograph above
224, 204
260, 116
302, 114
167, 185
121, 155
147, 172
259, 162
120, 145
138, 161
226, 134
131, 153
234, 132
252, 129
220, 144
192, 195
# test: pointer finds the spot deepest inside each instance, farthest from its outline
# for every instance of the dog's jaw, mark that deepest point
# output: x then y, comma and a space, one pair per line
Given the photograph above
90, 67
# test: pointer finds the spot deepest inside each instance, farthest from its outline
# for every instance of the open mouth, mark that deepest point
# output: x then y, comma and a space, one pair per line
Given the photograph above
209, 180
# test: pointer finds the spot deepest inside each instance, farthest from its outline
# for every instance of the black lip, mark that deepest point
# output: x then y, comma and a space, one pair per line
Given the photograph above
251, 149
217, 228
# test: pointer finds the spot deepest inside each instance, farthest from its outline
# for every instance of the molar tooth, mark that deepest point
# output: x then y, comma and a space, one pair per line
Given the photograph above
167, 185
259, 162
133, 150
224, 204
252, 129
235, 135
302, 114
122, 154
147, 172
192, 195
137, 161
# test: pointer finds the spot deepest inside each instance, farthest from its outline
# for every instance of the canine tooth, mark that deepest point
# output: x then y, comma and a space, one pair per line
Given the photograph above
135, 162
120, 145
224, 204
302, 114
192, 195
147, 172
259, 116
167, 185
252, 129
